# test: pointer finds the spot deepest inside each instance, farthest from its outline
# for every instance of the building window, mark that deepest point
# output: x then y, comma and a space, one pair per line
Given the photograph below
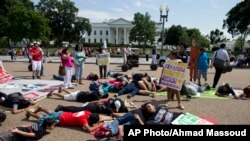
100, 32
94, 40
107, 40
94, 32
89, 40
100, 40
107, 32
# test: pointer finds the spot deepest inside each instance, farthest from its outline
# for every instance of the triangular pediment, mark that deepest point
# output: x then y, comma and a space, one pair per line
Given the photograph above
120, 21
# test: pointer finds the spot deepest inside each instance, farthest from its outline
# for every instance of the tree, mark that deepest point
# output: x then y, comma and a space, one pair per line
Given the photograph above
175, 35
240, 42
144, 30
238, 21
27, 24
18, 19
63, 20
216, 36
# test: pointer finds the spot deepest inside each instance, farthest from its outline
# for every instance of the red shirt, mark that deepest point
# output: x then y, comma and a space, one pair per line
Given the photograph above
74, 119
37, 53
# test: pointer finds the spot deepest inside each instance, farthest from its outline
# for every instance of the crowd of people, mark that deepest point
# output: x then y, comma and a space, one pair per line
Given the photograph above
97, 101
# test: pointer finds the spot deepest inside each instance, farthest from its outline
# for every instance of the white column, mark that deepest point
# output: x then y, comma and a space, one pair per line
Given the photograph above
128, 36
116, 35
109, 36
125, 36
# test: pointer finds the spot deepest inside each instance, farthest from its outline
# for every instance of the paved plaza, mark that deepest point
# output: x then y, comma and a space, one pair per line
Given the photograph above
230, 111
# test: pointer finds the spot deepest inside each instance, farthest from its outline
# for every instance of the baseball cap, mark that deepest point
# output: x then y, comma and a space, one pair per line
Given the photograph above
117, 105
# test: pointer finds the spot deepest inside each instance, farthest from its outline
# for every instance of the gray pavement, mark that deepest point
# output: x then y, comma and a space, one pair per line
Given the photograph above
89, 60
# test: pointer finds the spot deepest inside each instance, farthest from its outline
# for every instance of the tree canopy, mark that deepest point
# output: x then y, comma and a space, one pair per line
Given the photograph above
144, 30
216, 36
63, 20
238, 21
178, 34
19, 20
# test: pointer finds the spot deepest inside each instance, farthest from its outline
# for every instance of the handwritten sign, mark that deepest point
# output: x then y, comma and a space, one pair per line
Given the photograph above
190, 119
103, 59
173, 74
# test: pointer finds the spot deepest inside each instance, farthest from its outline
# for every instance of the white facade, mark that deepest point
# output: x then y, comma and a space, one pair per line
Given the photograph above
113, 31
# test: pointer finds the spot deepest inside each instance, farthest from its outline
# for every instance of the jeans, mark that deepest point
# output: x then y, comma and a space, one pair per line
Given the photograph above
101, 68
127, 119
79, 71
67, 77
42, 68
131, 88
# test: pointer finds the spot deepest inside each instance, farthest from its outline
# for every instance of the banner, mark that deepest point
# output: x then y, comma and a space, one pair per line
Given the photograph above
190, 119
103, 59
4, 75
173, 74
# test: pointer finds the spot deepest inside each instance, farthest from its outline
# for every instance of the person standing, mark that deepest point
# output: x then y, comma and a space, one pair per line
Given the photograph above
223, 56
67, 62
147, 53
103, 59
183, 54
79, 57
203, 63
194, 53
154, 55
124, 55
36, 54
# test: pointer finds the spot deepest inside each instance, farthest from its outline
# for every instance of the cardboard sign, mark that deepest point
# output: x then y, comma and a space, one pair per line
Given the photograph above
173, 74
190, 119
103, 59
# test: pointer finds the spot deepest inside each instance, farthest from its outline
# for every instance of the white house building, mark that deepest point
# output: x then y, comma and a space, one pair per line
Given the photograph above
113, 31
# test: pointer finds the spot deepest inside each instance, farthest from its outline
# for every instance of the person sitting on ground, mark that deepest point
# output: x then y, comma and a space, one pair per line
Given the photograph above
84, 119
79, 96
225, 90
191, 89
2, 117
109, 107
25, 133
16, 101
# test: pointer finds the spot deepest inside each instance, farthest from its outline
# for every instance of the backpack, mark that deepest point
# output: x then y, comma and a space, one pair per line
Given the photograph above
122, 109
94, 86
246, 91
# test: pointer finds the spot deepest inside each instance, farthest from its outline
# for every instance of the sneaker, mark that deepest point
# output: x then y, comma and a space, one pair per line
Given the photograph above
33, 77
49, 94
181, 107
38, 77
58, 108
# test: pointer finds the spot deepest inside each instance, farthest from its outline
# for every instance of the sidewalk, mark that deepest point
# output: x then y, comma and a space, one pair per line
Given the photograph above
89, 60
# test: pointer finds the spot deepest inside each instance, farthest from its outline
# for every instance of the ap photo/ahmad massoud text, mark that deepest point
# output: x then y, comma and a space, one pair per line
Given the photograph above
132, 132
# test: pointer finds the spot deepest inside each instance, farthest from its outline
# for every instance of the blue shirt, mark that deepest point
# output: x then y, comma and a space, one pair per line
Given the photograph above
203, 61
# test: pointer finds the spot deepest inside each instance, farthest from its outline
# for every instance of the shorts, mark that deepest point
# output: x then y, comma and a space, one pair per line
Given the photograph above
53, 115
71, 97
36, 65
203, 73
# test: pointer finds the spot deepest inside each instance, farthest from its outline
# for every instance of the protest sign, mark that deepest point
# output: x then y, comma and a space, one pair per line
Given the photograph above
173, 74
190, 119
103, 59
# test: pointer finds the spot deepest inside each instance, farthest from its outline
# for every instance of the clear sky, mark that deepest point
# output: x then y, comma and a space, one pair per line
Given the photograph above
205, 15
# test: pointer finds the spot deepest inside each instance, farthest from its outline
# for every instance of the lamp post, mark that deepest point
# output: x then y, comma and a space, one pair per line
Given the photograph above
163, 18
